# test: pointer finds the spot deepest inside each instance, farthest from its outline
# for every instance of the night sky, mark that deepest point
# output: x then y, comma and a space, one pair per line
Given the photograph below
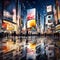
0, 8
40, 5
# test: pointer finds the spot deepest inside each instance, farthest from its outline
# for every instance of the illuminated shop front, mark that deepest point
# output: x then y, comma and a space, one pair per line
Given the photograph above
57, 28
9, 26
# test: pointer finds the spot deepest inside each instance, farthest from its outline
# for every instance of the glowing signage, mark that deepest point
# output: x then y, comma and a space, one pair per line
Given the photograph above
49, 8
31, 23
31, 14
7, 25
58, 27
49, 19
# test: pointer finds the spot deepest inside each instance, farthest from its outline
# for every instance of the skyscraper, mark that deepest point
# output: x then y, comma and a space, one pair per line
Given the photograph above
57, 11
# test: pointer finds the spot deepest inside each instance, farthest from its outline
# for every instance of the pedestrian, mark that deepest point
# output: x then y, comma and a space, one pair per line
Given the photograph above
21, 37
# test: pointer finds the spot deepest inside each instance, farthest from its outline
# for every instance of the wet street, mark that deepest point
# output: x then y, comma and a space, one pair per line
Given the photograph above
28, 48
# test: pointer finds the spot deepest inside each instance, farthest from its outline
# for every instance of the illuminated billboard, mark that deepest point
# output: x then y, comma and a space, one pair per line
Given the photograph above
49, 8
31, 23
7, 25
49, 19
31, 15
4, 25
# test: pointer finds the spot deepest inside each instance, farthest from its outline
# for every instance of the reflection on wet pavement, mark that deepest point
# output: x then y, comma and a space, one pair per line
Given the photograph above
15, 48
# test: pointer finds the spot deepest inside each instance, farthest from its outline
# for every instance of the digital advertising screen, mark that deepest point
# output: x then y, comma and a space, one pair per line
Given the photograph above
31, 15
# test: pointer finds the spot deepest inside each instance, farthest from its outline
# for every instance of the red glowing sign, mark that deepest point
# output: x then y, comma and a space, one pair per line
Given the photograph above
30, 16
4, 25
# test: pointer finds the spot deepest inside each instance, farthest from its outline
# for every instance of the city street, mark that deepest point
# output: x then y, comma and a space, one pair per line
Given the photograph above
29, 29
